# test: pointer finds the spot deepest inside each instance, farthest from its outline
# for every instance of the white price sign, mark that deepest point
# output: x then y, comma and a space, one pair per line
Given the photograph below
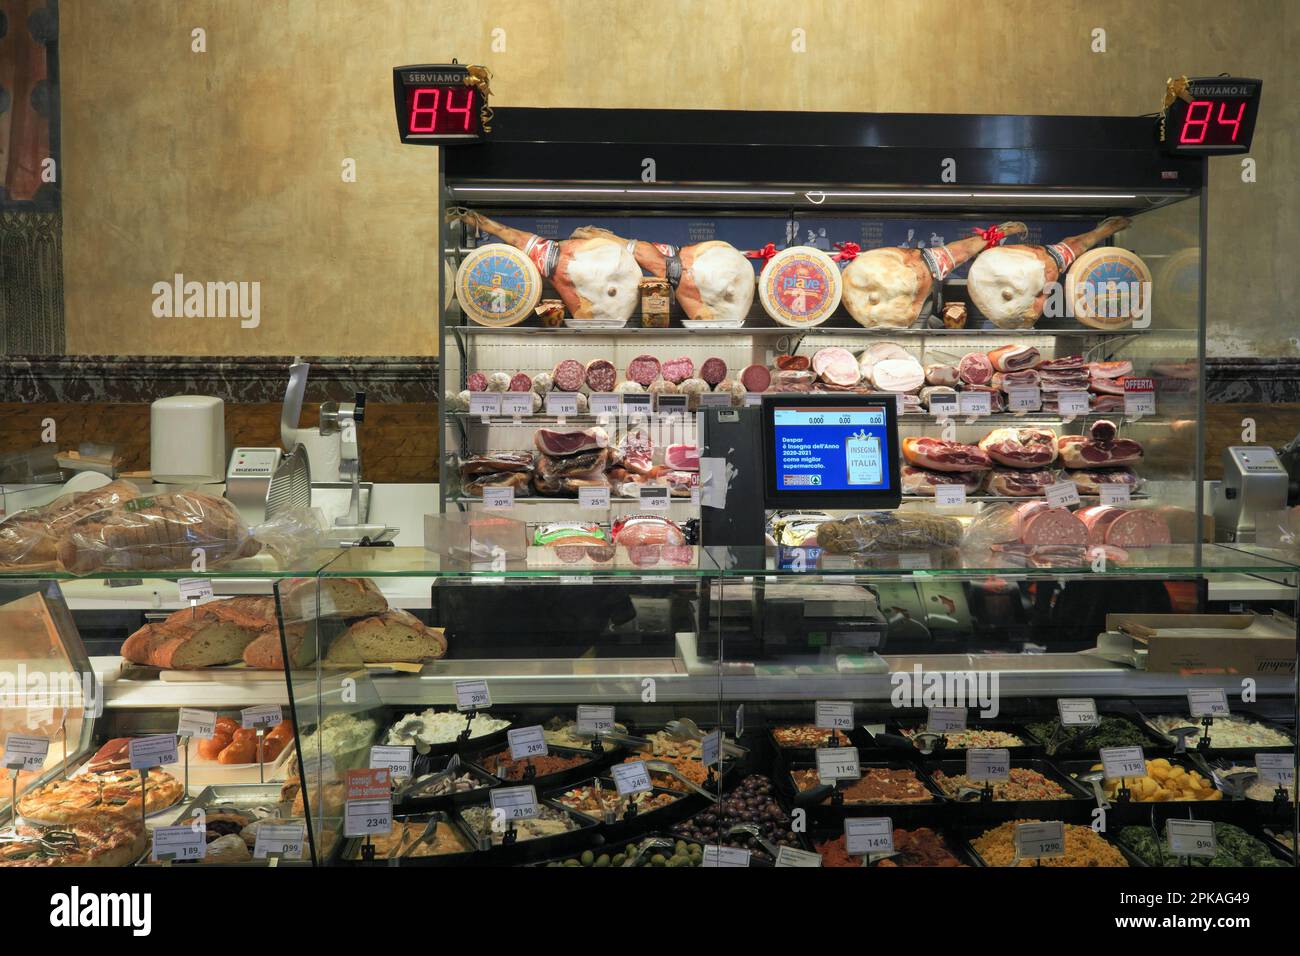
753, 399
594, 498
179, 843
561, 403
498, 499
1278, 769
1040, 840
527, 742
472, 695
724, 856
943, 404
1077, 711
486, 404
195, 589
263, 715
605, 403
282, 839
865, 835
631, 777
988, 766
514, 803
789, 856
1120, 762
1207, 701
834, 714
711, 749
157, 750
1062, 494
1115, 494
715, 400
654, 497
1191, 837
517, 404
950, 494
1024, 398
943, 720
1073, 403
636, 402
396, 760
837, 763
975, 403
199, 724
900, 404
595, 718
25, 752
364, 817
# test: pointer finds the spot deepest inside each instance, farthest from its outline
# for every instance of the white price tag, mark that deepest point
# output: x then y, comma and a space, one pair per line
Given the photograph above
670, 404
740, 721
655, 497
199, 724
834, 714
975, 403
577, 579
396, 760
1278, 769
944, 720
595, 718
527, 742
950, 494
1024, 398
1191, 837
486, 404
991, 766
789, 856
1077, 711
636, 402
362, 817
715, 400
498, 499
594, 498
1073, 403
1113, 494
864, 835
157, 750
472, 695
900, 404
195, 589
1062, 494
514, 803
1207, 701
631, 777
1120, 762
1139, 396
1040, 840
943, 405
605, 403
837, 763
319, 766
179, 843
561, 403
517, 404
286, 840
753, 399
263, 715
724, 856
711, 749
25, 752
914, 560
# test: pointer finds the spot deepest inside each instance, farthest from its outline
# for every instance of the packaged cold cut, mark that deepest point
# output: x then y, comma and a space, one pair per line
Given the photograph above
1020, 482
645, 529
1020, 447
497, 285
924, 481
570, 533
800, 287
889, 531
995, 524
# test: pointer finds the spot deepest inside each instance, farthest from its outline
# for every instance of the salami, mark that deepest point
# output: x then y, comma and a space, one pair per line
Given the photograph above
542, 383
661, 386
1054, 526
643, 369
713, 371
941, 375
756, 378
1013, 358
569, 375
477, 382
498, 382
836, 366
629, 388
940, 455
975, 369
693, 388
1020, 447
601, 375
797, 363
521, 382
678, 370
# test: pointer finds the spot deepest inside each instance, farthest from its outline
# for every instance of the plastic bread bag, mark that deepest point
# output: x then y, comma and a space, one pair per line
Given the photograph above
292, 535
29, 539
995, 524
873, 531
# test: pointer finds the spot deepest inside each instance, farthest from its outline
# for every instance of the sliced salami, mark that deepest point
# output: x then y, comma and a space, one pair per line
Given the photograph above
521, 382
756, 378
643, 369
601, 375
477, 382
797, 363
975, 369
569, 376
713, 371
678, 370
1053, 526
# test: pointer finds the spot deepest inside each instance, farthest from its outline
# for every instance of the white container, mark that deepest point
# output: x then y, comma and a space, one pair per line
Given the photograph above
187, 439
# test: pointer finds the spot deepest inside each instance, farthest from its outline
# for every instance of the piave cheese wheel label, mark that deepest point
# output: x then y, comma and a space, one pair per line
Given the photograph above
1108, 288
800, 287
497, 285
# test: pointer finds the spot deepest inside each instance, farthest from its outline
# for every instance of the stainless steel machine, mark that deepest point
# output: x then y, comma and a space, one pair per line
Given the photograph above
1254, 483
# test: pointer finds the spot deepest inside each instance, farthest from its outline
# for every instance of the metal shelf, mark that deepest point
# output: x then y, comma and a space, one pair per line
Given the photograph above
823, 329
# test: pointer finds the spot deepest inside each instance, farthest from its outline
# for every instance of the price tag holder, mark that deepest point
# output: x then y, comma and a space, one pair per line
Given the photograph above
1071, 404
577, 579
865, 835
1277, 769
1040, 840
1120, 762
498, 499
486, 404
636, 402
670, 404
900, 404
472, 695
396, 760
594, 498
835, 715
366, 817
285, 840
715, 400
1191, 837
1139, 397
157, 750
655, 497
195, 590
1062, 494
988, 766
179, 843
720, 856
950, 494
199, 724
605, 403
753, 399
944, 720
515, 803
561, 403
320, 766
943, 405
527, 742
915, 560
631, 777
1113, 494
25, 751
975, 403
1077, 711
838, 763
1207, 701
263, 715
1024, 398
789, 856
517, 404
711, 749
595, 718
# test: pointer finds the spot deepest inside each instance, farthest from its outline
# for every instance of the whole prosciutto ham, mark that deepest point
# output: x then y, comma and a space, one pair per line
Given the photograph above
888, 288
940, 455
713, 281
1009, 283
1020, 447
596, 276
1100, 448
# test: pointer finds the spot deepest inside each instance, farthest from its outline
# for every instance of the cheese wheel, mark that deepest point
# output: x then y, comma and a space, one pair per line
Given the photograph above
1108, 288
497, 285
800, 287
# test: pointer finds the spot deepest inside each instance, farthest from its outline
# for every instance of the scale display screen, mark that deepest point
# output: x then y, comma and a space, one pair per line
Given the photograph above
833, 451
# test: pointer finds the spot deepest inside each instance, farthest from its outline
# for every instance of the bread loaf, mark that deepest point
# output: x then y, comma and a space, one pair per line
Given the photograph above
392, 636
30, 539
266, 653
214, 633
306, 599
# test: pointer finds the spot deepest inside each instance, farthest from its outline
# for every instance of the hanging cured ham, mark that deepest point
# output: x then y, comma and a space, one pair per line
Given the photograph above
889, 287
1009, 283
596, 277
713, 281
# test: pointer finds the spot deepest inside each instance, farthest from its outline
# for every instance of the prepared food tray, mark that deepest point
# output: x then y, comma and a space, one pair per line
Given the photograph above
441, 731
1236, 732
1234, 846
556, 830
995, 845
1034, 787
907, 731
1113, 730
914, 847
558, 766
415, 839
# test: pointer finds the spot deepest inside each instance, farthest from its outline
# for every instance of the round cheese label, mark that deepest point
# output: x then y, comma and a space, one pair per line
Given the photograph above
1109, 288
800, 286
497, 285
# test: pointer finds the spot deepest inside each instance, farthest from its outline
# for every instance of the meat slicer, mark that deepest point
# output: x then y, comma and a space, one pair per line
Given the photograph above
1255, 485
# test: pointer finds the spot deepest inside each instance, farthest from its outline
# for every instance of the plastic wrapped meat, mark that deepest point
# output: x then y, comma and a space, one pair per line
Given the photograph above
889, 531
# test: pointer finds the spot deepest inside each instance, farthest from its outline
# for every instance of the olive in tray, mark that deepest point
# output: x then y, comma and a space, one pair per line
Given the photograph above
751, 805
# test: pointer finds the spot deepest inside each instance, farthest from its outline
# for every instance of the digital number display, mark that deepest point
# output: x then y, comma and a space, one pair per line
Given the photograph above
441, 110
1217, 117
440, 103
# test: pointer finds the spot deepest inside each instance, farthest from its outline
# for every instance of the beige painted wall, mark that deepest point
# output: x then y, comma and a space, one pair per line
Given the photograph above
226, 165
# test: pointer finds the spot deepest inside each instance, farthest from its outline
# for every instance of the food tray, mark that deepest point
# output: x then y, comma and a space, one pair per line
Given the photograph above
587, 768
418, 804
615, 846
683, 806
485, 742
928, 813
1122, 813
970, 834
954, 843
1168, 742
1074, 809
857, 737
350, 852
586, 834
916, 718
1151, 743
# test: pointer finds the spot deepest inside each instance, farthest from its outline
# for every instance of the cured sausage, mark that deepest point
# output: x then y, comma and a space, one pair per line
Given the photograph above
601, 375
521, 382
756, 378
678, 370
643, 369
713, 371
569, 375
477, 382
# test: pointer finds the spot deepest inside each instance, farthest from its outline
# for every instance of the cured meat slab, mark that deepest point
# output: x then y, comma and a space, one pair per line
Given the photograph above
939, 455
1020, 447
571, 441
